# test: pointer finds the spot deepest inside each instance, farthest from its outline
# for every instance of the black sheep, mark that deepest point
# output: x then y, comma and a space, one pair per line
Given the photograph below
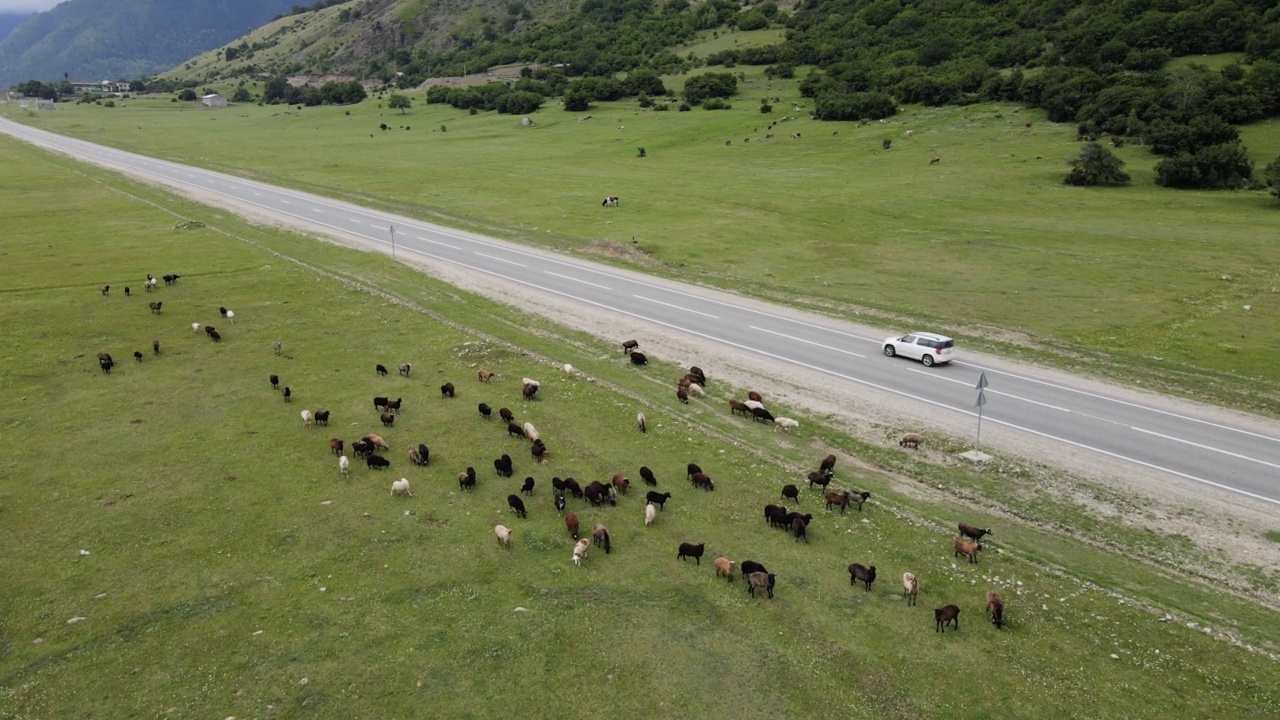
647, 475
656, 498
380, 369
275, 382
691, 550
377, 462
486, 412
517, 506
446, 390
970, 531
693, 469
865, 574
638, 358
288, 394
503, 466
527, 488
790, 492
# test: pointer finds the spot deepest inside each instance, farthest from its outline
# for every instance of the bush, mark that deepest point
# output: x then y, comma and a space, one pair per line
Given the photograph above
109, 103
709, 85
1216, 167
645, 101
716, 104
854, 106
187, 95
1272, 176
1095, 165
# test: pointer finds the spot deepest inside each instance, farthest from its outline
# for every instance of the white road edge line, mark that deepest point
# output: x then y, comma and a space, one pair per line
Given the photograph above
807, 342
509, 262
677, 307
584, 282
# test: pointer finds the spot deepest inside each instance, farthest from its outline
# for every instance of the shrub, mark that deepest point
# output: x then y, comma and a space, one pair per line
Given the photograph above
716, 104
187, 95
1096, 164
709, 85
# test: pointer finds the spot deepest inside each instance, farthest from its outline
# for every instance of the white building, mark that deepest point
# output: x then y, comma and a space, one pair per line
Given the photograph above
214, 100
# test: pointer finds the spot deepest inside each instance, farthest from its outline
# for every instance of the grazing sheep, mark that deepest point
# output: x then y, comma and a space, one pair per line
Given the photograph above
762, 581
415, 457
639, 358
528, 381
503, 466
155, 346
306, 418
746, 567
105, 289
171, 279
228, 314
702, 377
995, 606
344, 466
571, 524
276, 346
106, 363
910, 587
911, 440
424, 453
657, 498
755, 397
573, 487
401, 487
486, 412
580, 550
597, 494
527, 391
865, 574
275, 382
629, 345
485, 375
650, 514
467, 480
380, 369
820, 479
684, 383
935, 160
647, 475
784, 423
209, 330
515, 430
195, 327
517, 506
287, 393
322, 417
559, 503
376, 441
753, 405
828, 465
361, 448
724, 566
691, 550
405, 368
972, 532
568, 370
506, 415
621, 483
530, 431
967, 548
126, 291
839, 499
527, 487
336, 446
790, 492
504, 535
155, 307
538, 451
761, 415
215, 336
137, 355
381, 403
944, 615
703, 480
600, 535
737, 406
690, 470
696, 390
682, 396
640, 422
799, 528
376, 462
778, 516
446, 390
387, 419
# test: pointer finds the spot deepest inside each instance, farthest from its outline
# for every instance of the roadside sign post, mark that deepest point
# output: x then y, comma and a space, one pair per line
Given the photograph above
393, 242
976, 455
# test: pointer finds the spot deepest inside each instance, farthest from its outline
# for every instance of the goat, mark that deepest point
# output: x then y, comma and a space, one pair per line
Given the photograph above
344, 466
703, 480
910, 587
967, 548
995, 606
376, 462
944, 615
601, 537
405, 368
580, 550
401, 487
155, 307
486, 412
571, 524
322, 417
650, 514
629, 345
387, 419
865, 574
762, 581
647, 476
485, 375
657, 498
506, 415
504, 535
527, 487
911, 440
517, 506
380, 369
639, 358
336, 445
287, 393
446, 390
640, 421
691, 550
972, 532
306, 418
790, 492
724, 566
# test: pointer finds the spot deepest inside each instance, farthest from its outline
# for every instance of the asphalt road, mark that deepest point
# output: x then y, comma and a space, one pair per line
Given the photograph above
1242, 457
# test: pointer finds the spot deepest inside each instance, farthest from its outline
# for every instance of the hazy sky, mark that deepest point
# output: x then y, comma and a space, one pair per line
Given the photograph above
26, 6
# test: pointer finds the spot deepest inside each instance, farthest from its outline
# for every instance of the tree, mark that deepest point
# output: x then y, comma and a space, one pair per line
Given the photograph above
399, 102
1272, 176
576, 99
187, 94
1216, 167
709, 85
1096, 164
241, 95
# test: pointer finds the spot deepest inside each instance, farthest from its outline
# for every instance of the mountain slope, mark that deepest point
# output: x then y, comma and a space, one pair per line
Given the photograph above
106, 39
9, 21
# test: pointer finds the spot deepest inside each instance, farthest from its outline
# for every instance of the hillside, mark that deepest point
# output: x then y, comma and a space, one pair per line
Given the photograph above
105, 39
10, 21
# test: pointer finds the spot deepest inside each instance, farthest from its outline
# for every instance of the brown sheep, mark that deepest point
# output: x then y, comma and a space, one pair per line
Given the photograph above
911, 440
995, 606
336, 446
724, 566
621, 483
387, 419
967, 548
944, 615
753, 395
485, 375
737, 406
571, 524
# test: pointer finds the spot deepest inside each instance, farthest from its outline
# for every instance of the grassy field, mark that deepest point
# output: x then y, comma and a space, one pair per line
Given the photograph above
988, 244
231, 572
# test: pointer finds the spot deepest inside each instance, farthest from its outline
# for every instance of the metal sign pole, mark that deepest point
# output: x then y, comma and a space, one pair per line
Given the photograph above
393, 242
982, 400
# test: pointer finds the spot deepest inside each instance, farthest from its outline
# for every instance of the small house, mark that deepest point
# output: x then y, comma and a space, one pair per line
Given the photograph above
43, 104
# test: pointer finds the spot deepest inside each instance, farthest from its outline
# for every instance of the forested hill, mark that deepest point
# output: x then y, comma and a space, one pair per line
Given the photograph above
94, 40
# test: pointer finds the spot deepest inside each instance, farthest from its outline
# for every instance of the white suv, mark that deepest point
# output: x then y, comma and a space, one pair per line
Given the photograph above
928, 348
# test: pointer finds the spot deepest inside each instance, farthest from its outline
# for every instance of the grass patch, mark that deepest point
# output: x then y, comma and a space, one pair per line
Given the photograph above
1274, 536
228, 562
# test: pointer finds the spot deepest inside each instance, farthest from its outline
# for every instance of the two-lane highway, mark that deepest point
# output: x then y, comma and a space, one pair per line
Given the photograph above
1241, 456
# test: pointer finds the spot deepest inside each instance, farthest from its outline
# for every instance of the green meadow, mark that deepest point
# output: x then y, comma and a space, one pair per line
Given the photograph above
988, 244
177, 545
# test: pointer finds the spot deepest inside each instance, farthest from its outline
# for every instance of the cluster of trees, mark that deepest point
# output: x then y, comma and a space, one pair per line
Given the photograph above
278, 90
497, 96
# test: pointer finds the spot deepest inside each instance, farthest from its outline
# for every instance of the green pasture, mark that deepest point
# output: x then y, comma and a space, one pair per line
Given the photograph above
988, 244
717, 40
228, 570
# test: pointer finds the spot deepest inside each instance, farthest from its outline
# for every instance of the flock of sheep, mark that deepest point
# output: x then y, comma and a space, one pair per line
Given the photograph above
106, 363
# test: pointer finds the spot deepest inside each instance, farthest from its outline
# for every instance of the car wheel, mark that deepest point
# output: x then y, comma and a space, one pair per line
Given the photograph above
926, 360
889, 351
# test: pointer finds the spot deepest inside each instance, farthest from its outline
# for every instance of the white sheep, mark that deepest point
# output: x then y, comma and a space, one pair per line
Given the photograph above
640, 422
580, 550
568, 369
909, 133
784, 423
504, 535
306, 418
401, 487
650, 514
753, 404
696, 390
527, 381
231, 316
344, 466
910, 587
276, 346
195, 327
531, 432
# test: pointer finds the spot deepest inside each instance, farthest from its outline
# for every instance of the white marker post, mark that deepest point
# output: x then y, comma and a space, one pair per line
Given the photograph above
976, 454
